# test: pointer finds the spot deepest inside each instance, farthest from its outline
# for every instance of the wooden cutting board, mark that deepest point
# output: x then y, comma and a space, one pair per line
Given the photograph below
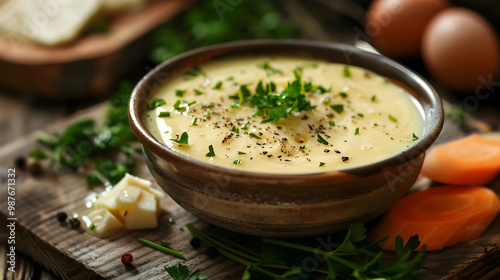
75, 254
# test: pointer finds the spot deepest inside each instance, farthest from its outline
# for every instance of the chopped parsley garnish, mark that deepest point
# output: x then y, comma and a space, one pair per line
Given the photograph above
331, 123
194, 73
339, 108
218, 85
253, 135
321, 164
309, 87
155, 103
92, 227
347, 72
393, 119
207, 113
245, 127
164, 114
374, 98
197, 92
241, 153
357, 131
191, 103
236, 162
343, 94
322, 140
415, 137
194, 121
235, 129
230, 78
269, 70
184, 139
180, 93
211, 152
361, 115
235, 105
181, 272
327, 101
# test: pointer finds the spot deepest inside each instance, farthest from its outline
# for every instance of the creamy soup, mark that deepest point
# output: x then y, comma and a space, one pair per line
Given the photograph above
284, 115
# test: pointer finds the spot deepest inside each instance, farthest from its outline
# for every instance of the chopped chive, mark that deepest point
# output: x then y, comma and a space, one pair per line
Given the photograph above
236, 162
155, 103
218, 85
180, 93
194, 121
166, 244
164, 114
393, 119
253, 135
197, 92
357, 131
210, 151
241, 153
415, 138
339, 108
235, 129
331, 123
322, 140
235, 105
207, 113
184, 139
245, 127
92, 227
191, 103
361, 115
178, 107
343, 94
374, 98
160, 248
321, 164
230, 78
347, 72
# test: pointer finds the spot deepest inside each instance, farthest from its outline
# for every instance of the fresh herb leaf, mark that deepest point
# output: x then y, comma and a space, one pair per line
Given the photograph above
374, 98
246, 125
236, 162
269, 70
321, 164
361, 115
164, 114
322, 140
92, 226
194, 121
415, 137
457, 115
241, 153
155, 103
125, 213
253, 135
184, 139
38, 154
196, 72
197, 92
339, 108
343, 94
347, 72
180, 106
181, 272
393, 119
331, 123
218, 85
180, 93
327, 100
357, 131
210, 151
235, 129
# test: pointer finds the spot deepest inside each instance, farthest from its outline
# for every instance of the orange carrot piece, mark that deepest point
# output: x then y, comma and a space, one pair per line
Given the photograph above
440, 216
473, 160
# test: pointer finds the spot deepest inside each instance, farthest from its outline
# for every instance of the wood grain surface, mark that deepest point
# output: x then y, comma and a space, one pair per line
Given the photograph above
75, 254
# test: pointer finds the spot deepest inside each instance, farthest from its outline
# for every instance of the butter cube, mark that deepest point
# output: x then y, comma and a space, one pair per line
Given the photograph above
102, 223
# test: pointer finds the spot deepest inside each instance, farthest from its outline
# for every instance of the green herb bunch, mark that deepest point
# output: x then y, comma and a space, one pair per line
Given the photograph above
84, 142
351, 259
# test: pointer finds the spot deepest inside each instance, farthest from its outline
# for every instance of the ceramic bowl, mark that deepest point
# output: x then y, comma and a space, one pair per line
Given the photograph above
278, 205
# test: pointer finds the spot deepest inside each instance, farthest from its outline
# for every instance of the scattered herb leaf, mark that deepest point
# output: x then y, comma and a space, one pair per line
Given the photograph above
322, 140
393, 119
210, 151
218, 85
184, 139
339, 108
164, 114
155, 103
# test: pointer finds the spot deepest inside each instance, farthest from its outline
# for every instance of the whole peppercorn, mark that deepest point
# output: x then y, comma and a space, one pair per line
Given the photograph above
20, 162
195, 242
212, 252
74, 222
61, 217
127, 258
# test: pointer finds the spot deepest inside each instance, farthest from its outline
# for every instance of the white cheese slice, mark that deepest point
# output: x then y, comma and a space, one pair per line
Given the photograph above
144, 214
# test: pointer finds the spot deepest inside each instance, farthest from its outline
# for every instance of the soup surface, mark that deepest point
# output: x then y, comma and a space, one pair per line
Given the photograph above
284, 115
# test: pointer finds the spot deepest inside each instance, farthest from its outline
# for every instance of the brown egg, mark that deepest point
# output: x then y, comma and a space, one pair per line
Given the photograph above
461, 49
396, 26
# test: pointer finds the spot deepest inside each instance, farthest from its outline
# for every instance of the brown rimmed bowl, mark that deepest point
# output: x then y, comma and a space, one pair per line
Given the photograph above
278, 205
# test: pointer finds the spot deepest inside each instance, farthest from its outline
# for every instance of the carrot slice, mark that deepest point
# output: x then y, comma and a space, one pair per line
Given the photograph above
473, 160
440, 216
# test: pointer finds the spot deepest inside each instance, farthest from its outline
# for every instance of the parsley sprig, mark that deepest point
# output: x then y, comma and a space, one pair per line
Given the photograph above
181, 272
351, 259
83, 141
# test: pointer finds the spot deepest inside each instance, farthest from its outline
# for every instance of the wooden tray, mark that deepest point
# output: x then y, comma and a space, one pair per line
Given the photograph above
75, 254
89, 67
